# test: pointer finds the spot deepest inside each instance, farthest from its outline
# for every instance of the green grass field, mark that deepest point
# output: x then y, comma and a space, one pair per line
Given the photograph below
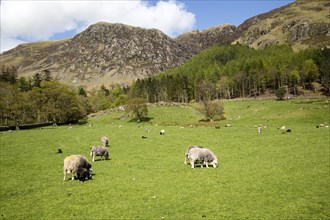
260, 176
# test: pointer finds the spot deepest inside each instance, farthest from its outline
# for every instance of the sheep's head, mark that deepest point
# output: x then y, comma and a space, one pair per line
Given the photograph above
106, 155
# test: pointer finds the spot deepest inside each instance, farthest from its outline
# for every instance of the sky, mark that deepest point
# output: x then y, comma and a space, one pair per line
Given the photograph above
25, 21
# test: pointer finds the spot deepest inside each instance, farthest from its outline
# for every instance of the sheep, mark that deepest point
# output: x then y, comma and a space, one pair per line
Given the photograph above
59, 151
186, 159
204, 155
105, 141
73, 163
162, 132
99, 151
217, 127
259, 129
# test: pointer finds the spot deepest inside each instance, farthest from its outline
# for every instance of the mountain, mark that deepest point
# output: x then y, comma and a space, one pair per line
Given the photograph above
201, 40
302, 24
107, 53
104, 53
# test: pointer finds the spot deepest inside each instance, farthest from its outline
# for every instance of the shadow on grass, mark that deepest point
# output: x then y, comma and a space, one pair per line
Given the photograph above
99, 159
143, 119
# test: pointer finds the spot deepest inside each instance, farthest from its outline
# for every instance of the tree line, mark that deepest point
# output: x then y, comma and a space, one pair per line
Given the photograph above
41, 99
220, 72
226, 72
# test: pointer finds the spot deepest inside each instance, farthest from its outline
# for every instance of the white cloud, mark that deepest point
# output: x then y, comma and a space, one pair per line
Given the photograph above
40, 20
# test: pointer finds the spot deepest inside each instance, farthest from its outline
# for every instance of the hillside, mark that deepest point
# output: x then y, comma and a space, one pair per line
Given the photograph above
107, 53
103, 53
201, 40
302, 24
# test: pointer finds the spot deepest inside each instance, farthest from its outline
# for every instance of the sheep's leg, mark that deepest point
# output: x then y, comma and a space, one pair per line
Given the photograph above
192, 164
207, 164
65, 173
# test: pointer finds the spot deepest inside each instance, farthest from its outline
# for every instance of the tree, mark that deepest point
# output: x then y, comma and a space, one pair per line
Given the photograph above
310, 72
138, 107
294, 79
61, 102
36, 80
82, 92
211, 109
23, 84
8, 74
13, 104
280, 93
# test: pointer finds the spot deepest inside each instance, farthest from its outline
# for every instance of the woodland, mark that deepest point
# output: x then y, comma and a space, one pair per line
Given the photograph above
220, 72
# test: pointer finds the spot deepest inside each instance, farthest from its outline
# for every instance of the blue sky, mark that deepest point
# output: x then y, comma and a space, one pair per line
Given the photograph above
25, 21
213, 13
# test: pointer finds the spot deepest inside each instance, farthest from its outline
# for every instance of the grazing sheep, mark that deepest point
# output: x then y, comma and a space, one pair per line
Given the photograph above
73, 163
162, 132
199, 154
99, 151
259, 129
105, 141
217, 127
186, 159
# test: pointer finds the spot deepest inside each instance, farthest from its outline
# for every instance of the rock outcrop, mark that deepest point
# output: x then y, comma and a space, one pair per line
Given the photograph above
201, 40
302, 24
103, 53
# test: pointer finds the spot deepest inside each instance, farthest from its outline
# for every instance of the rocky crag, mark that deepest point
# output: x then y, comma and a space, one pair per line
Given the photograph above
302, 24
104, 53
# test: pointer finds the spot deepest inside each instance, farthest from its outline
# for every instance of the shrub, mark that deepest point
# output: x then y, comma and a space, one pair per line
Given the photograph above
280, 93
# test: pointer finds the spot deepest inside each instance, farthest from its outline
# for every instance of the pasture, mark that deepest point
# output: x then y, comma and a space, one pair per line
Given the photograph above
272, 175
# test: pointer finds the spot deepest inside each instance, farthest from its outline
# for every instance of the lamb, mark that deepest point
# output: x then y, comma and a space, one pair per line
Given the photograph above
75, 162
99, 151
199, 154
105, 141
162, 132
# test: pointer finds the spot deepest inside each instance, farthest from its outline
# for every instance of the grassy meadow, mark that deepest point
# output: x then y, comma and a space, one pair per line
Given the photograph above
272, 175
